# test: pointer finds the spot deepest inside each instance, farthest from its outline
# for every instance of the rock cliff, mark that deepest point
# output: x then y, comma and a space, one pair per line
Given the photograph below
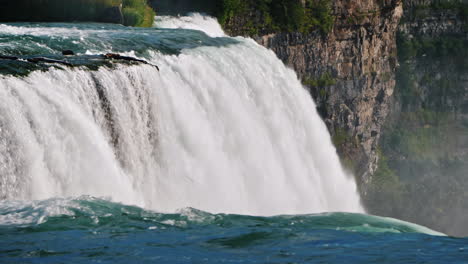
424, 147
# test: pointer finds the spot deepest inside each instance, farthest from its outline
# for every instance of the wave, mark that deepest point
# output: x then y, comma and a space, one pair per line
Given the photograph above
89, 212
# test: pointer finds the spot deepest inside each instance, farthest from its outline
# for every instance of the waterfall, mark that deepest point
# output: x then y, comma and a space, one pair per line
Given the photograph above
193, 21
222, 129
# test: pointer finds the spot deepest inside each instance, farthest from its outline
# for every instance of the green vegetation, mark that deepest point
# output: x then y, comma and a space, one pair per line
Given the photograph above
133, 12
318, 15
422, 164
324, 80
340, 137
137, 13
448, 50
423, 10
231, 8
446, 46
386, 190
459, 6
322, 83
278, 15
419, 172
424, 132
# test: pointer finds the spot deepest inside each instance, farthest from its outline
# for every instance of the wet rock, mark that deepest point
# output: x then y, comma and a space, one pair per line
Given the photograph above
68, 52
47, 60
8, 57
116, 56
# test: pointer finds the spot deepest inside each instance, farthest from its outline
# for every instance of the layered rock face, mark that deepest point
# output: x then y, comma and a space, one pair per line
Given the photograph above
433, 18
349, 71
425, 142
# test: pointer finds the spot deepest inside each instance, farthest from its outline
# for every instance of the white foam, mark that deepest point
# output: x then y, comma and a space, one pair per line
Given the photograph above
34, 212
46, 31
194, 21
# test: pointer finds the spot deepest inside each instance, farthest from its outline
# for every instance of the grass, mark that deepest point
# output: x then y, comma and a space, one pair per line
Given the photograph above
340, 137
324, 80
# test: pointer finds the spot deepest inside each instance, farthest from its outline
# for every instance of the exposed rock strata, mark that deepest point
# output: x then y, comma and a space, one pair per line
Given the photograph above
425, 142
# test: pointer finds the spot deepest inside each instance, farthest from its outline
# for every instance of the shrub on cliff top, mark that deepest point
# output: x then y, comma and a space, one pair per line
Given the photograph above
229, 9
277, 15
318, 15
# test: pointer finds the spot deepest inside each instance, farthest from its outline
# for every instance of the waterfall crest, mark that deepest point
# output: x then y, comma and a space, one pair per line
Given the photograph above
222, 129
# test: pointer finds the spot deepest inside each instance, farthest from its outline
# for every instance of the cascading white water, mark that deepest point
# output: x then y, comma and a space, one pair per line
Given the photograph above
222, 129
193, 21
